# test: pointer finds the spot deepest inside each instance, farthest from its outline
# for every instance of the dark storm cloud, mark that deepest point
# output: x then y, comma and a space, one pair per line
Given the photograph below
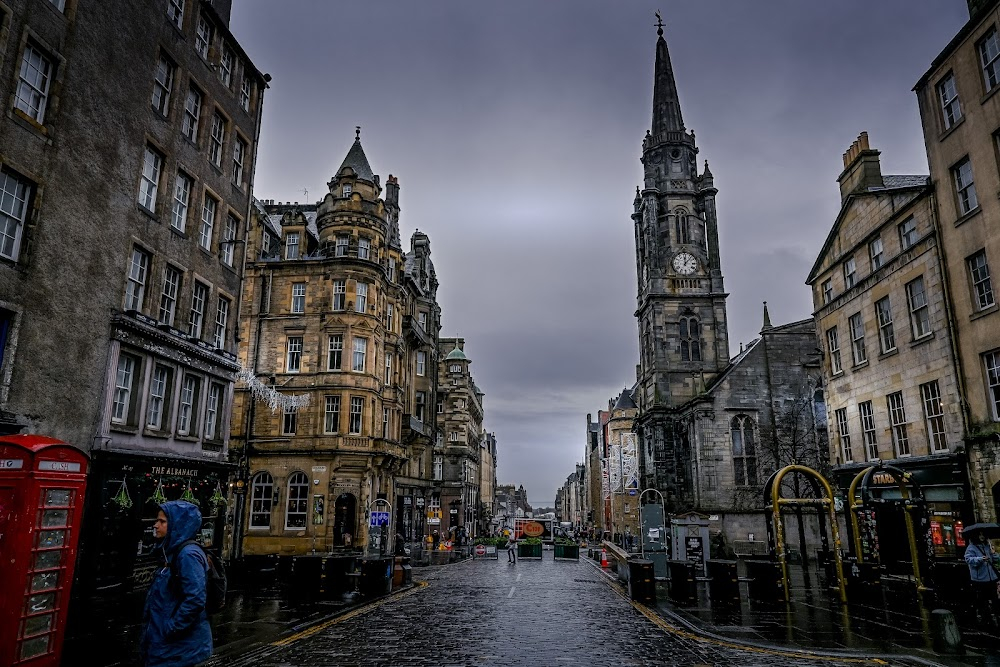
515, 129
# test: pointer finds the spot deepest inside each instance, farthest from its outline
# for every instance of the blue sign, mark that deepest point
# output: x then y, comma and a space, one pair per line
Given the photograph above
632, 492
379, 519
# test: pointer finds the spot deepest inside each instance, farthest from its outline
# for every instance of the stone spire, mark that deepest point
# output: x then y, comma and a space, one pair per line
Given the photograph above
666, 105
767, 318
357, 160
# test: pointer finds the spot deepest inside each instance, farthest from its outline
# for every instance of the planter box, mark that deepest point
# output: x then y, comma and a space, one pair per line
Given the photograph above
566, 551
529, 550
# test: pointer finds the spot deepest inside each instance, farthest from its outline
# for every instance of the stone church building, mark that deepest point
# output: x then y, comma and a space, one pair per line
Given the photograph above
711, 428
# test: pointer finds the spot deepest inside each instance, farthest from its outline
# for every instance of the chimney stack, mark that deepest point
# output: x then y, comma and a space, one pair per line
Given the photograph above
862, 170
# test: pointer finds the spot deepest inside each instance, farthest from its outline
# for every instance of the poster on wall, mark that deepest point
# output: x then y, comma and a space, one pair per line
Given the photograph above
629, 462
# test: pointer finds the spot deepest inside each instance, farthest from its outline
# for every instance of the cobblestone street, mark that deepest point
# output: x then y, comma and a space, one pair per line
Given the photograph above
490, 613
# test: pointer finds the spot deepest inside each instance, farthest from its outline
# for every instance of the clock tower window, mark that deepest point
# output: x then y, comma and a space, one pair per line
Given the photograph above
690, 337
682, 228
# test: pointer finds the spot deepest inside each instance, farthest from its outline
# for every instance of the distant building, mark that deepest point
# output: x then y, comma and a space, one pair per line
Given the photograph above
487, 481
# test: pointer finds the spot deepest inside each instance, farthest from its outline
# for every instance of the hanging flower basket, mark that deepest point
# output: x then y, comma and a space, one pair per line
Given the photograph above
158, 497
188, 495
217, 500
122, 499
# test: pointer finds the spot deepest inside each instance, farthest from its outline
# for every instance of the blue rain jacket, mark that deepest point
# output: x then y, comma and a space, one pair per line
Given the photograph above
175, 626
979, 557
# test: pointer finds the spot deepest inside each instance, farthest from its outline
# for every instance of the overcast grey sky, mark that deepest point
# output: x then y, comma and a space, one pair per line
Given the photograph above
515, 130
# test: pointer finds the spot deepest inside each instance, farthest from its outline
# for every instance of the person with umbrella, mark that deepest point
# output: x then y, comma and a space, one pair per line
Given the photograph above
984, 569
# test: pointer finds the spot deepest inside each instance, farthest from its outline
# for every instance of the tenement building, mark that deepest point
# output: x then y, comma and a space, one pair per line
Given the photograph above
710, 429
892, 391
960, 113
328, 310
124, 192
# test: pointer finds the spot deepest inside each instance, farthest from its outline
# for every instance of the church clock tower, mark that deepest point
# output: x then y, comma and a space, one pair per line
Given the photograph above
681, 311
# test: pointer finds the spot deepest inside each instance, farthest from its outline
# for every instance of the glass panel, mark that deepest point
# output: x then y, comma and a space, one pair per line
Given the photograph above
48, 539
58, 497
41, 602
44, 581
35, 647
38, 624
54, 518
46, 560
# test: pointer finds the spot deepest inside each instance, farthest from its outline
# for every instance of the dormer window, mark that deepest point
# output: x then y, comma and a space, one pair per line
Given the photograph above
292, 245
348, 189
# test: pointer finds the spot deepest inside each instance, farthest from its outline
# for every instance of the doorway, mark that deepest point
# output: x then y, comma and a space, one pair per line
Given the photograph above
345, 512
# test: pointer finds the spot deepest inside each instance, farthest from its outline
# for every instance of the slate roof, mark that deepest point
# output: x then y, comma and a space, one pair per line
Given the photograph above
897, 182
357, 161
625, 401
275, 221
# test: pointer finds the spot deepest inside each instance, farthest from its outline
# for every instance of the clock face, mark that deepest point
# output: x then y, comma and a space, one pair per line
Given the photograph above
685, 263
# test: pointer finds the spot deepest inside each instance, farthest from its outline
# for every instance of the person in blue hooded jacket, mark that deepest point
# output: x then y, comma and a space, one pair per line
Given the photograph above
175, 629
983, 562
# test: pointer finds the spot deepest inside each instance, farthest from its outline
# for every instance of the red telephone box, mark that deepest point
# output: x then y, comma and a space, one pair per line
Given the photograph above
42, 482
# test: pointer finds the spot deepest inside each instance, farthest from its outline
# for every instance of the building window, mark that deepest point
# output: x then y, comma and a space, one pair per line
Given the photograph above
293, 356
453, 436
440, 405
364, 248
152, 164
207, 222
858, 352
135, 288
239, 155
289, 418
340, 250
989, 58
850, 273
245, 90
339, 294
175, 12
298, 501
221, 321
192, 114
992, 362
744, 451
163, 84
392, 270
228, 238
827, 291
421, 362
159, 391
385, 422
930, 395
965, 188
388, 368
187, 414
438, 468
168, 297
226, 66
897, 420
14, 194
919, 313
886, 337
868, 430
361, 291
182, 199
121, 402
360, 351
203, 37
388, 317
261, 498
876, 253
690, 339
212, 411
292, 245
217, 139
455, 368
833, 345
982, 286
298, 298
420, 405
907, 233
682, 229
198, 298
335, 351
331, 415
844, 433
33, 84
951, 108
357, 413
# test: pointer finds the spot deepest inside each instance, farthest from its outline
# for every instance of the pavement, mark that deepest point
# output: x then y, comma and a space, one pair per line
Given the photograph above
487, 612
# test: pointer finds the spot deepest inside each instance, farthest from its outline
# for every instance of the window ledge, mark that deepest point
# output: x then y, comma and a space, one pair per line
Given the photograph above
838, 374
146, 212
968, 216
863, 364
207, 253
124, 428
179, 232
889, 353
989, 310
927, 337
155, 434
30, 124
988, 95
958, 123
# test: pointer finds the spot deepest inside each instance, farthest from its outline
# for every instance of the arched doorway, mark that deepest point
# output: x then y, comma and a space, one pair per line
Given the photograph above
345, 512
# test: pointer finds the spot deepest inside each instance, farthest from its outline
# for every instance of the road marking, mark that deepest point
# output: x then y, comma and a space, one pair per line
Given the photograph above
319, 627
518, 577
511, 594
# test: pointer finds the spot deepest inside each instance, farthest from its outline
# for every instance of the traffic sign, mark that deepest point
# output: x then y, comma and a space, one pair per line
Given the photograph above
379, 519
480, 549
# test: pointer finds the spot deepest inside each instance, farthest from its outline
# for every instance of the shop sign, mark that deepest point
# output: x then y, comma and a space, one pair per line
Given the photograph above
407, 500
319, 468
883, 478
379, 519
176, 472
59, 466
11, 464
420, 501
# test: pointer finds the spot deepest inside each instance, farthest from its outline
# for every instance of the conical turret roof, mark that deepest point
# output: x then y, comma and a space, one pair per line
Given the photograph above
358, 161
666, 104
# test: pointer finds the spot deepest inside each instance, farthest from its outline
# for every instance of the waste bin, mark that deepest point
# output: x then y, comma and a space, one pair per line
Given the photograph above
641, 581
335, 580
764, 581
723, 582
682, 588
306, 577
402, 571
376, 576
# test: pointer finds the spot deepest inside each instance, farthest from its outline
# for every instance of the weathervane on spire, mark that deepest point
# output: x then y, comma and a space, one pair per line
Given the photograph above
357, 133
659, 24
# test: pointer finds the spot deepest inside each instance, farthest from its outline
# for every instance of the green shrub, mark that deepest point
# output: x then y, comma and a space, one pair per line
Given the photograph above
531, 540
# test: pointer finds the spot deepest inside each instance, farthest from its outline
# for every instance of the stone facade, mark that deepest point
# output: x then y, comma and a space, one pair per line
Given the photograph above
487, 482
960, 113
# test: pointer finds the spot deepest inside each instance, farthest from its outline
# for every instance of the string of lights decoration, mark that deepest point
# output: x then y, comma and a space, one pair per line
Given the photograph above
269, 395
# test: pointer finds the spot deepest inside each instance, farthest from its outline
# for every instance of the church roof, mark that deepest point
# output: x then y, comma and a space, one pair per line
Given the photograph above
666, 104
358, 162
625, 401
456, 355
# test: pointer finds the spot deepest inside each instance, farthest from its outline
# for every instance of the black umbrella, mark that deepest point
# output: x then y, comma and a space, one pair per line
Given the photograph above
990, 530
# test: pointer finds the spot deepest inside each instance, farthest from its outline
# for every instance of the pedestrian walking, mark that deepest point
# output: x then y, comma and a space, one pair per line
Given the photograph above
435, 538
984, 569
511, 549
175, 629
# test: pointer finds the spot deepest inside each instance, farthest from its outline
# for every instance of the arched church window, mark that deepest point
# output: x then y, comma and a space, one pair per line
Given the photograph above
744, 451
682, 227
690, 338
